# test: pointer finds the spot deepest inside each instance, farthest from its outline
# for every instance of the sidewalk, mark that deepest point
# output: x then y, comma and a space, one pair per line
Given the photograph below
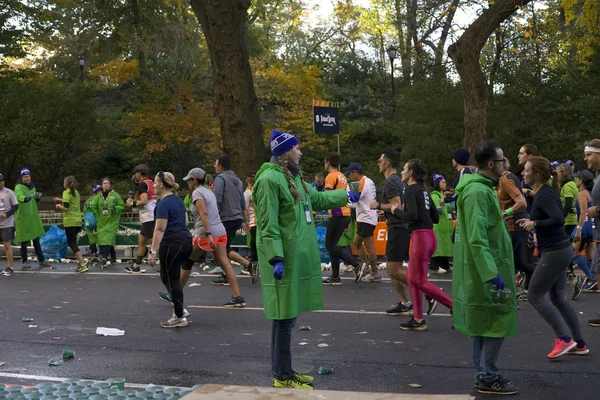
220, 392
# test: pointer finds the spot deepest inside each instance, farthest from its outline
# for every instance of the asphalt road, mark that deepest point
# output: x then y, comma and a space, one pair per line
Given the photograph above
365, 348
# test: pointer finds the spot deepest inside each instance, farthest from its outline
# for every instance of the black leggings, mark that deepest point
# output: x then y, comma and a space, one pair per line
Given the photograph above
253, 252
439, 262
36, 247
335, 230
72, 232
523, 255
107, 252
172, 257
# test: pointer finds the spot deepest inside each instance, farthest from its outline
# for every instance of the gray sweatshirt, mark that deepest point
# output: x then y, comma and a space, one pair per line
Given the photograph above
229, 192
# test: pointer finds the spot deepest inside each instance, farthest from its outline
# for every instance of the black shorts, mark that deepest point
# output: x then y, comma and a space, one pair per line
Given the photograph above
398, 242
7, 234
231, 228
364, 230
148, 229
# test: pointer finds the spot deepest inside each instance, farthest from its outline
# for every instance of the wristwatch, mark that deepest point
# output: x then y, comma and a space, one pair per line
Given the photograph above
206, 234
152, 252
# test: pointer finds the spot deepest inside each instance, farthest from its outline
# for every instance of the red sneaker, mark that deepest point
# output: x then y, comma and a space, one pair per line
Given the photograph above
579, 351
561, 347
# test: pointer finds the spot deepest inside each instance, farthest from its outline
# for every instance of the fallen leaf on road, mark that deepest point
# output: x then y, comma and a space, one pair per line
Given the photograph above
325, 334
415, 385
247, 334
323, 345
24, 291
303, 343
32, 326
195, 284
146, 301
65, 302
56, 306
361, 333
305, 328
398, 342
2, 363
55, 338
195, 274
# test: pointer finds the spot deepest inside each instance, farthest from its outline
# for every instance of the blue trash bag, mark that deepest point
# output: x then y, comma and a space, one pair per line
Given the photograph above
321, 232
89, 221
54, 243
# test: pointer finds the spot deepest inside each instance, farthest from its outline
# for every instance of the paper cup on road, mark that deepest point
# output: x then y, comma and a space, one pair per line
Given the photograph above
119, 383
111, 391
155, 389
127, 393
163, 396
68, 354
101, 385
49, 397
78, 396
86, 383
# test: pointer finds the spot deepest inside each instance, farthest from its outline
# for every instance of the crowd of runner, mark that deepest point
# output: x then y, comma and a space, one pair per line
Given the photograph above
483, 226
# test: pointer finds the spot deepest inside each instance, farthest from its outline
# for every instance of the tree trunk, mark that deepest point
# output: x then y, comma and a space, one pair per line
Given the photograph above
439, 70
224, 23
465, 55
137, 29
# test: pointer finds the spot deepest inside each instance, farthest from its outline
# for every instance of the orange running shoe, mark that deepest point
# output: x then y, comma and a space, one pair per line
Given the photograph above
561, 347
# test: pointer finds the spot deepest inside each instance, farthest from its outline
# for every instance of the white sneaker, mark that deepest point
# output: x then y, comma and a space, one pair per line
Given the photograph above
440, 271
175, 322
186, 313
370, 278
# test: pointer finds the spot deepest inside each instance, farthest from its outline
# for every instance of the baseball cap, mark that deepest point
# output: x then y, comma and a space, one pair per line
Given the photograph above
585, 175
196, 173
353, 167
142, 168
252, 174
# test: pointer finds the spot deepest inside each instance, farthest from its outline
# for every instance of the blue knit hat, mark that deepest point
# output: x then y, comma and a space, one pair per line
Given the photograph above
282, 142
24, 172
437, 178
96, 189
554, 164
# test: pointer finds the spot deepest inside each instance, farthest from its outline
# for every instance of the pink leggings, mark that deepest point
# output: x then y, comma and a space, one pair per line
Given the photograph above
422, 248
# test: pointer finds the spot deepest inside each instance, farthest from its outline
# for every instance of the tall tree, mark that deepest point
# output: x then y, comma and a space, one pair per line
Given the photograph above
465, 53
224, 23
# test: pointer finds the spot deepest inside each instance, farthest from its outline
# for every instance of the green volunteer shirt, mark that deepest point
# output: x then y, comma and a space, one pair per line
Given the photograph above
569, 189
72, 217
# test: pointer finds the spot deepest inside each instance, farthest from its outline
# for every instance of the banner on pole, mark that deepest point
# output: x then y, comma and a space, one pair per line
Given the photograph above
326, 118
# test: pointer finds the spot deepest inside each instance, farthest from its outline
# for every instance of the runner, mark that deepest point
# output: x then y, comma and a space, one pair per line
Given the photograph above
209, 235
420, 214
145, 203
366, 220
28, 223
440, 261
319, 183
172, 239
8, 207
550, 275
525, 153
92, 234
398, 237
582, 236
460, 162
514, 207
288, 250
483, 262
339, 219
250, 217
568, 196
70, 205
229, 192
107, 205
592, 158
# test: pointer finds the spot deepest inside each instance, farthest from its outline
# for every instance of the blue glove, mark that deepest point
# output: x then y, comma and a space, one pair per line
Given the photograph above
498, 282
353, 197
28, 198
278, 271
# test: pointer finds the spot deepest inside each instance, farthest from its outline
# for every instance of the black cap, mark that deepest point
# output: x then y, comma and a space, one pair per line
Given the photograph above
252, 174
585, 175
353, 167
1, 177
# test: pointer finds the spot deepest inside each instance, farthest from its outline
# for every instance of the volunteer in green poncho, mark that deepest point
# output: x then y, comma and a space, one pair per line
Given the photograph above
288, 252
107, 205
28, 223
92, 234
483, 267
440, 261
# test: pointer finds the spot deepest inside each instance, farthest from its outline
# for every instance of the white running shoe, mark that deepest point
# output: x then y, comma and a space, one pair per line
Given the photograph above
175, 322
